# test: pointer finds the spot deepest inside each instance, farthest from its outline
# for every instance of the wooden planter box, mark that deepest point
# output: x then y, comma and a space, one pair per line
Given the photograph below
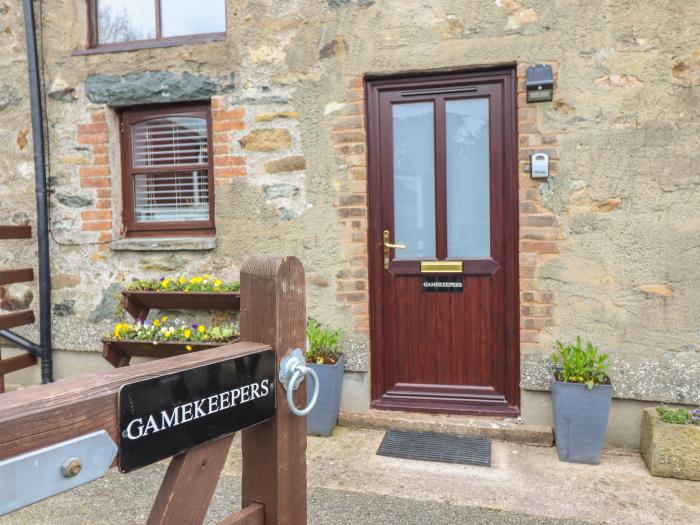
670, 451
118, 352
138, 303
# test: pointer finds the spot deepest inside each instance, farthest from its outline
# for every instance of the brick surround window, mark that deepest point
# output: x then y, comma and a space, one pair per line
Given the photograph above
130, 24
167, 180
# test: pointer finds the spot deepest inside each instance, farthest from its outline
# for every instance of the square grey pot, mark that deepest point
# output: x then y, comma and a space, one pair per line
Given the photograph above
580, 420
324, 416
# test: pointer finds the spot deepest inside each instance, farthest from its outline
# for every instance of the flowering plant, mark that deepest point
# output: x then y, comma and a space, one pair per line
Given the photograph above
180, 283
176, 331
679, 416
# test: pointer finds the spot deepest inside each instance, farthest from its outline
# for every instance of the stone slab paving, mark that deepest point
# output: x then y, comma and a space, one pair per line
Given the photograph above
349, 484
501, 429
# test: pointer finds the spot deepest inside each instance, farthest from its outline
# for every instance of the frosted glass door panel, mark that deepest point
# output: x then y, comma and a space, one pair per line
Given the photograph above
414, 179
468, 216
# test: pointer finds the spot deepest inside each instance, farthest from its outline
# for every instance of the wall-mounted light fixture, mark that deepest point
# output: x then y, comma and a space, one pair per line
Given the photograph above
540, 83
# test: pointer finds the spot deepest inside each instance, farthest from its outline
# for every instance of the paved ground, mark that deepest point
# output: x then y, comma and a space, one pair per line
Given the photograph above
349, 484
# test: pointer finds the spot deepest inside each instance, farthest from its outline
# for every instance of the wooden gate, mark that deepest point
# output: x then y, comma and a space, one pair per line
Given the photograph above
21, 317
273, 313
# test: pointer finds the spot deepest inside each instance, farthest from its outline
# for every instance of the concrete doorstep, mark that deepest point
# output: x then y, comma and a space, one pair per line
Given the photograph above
499, 429
349, 484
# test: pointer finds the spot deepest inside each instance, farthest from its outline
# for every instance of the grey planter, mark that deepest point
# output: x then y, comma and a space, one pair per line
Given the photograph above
580, 420
324, 416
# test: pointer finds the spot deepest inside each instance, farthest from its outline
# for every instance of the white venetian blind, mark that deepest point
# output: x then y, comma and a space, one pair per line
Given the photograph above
167, 141
172, 153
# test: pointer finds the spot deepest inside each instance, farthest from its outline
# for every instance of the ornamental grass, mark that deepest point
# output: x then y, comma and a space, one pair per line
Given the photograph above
180, 283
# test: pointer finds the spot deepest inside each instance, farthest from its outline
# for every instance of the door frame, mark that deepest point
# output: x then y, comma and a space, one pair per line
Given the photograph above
373, 87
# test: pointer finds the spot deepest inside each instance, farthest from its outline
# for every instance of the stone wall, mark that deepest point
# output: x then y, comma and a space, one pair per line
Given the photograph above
607, 243
17, 198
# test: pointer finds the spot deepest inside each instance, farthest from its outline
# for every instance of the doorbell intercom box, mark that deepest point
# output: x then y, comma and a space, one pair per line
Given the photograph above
539, 165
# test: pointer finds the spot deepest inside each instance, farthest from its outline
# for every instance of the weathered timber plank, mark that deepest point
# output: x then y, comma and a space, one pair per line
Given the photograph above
18, 362
15, 319
135, 348
113, 356
138, 303
16, 276
48, 414
253, 514
273, 311
15, 232
189, 484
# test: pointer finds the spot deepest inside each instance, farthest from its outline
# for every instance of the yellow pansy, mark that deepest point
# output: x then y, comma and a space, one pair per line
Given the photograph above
201, 329
156, 323
165, 319
217, 283
181, 280
206, 276
187, 333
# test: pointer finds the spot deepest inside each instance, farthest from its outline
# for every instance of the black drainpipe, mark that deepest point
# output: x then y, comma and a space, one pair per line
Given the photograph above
42, 218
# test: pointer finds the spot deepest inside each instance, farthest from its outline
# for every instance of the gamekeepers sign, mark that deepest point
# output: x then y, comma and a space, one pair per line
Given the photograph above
166, 415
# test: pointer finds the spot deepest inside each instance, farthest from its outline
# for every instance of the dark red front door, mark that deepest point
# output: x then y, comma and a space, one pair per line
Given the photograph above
443, 216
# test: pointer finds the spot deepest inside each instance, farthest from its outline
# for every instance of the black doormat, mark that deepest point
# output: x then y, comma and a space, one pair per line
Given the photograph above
429, 446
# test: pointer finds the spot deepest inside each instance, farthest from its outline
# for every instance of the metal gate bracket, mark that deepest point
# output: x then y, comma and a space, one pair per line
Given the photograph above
43, 473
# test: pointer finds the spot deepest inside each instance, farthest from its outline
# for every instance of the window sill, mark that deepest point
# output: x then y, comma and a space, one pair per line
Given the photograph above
151, 44
163, 244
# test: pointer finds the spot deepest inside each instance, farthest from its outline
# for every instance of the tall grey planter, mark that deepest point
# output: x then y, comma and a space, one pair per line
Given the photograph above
580, 420
324, 416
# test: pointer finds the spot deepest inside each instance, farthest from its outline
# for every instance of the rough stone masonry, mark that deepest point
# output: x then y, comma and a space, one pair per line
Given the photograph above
609, 243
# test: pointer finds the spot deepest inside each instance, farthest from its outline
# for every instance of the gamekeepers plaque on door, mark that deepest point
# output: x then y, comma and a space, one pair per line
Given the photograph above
166, 415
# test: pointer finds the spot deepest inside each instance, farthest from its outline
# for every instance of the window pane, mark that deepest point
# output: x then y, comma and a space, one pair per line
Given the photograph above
171, 197
169, 141
125, 20
414, 180
185, 17
468, 218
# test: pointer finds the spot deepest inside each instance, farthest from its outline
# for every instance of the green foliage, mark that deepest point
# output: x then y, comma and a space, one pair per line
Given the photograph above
323, 343
574, 364
119, 311
679, 416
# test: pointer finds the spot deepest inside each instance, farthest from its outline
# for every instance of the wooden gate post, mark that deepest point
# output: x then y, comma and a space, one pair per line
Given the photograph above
273, 311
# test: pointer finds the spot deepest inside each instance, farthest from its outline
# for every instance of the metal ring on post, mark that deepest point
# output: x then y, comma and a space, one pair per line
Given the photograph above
302, 370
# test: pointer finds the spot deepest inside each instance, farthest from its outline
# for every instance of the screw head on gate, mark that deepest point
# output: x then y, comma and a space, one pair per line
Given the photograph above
71, 467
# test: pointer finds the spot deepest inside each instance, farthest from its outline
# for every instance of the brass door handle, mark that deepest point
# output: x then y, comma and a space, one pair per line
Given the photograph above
390, 246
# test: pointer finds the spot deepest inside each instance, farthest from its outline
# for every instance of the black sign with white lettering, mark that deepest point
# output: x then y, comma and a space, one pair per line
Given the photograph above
166, 415
443, 283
